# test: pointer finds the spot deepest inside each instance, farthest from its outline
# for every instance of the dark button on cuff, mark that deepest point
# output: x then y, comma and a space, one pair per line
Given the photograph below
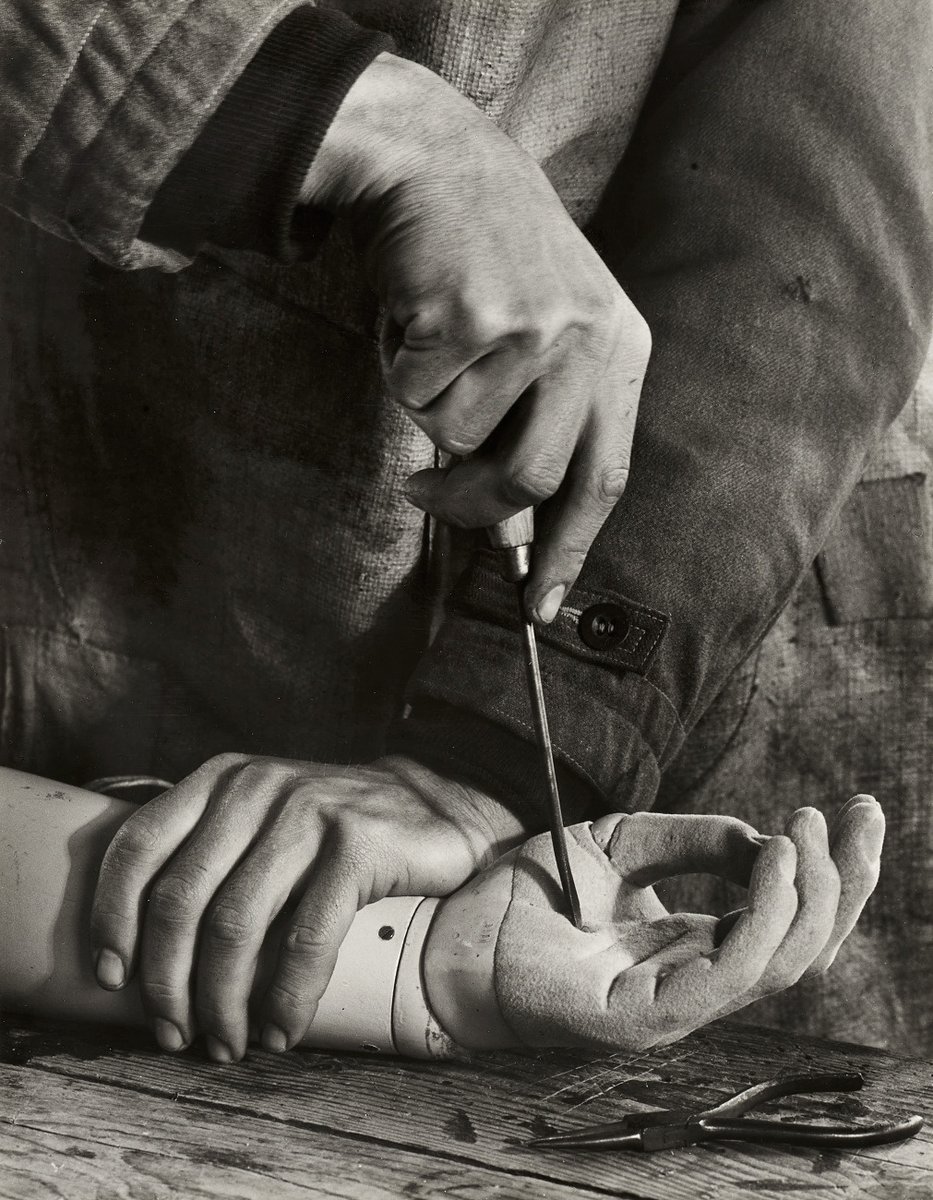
603, 626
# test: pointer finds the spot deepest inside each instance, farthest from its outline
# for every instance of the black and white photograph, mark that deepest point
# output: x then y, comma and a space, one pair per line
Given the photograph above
466, 599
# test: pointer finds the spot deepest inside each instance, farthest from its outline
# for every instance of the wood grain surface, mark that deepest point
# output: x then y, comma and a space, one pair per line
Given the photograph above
94, 1113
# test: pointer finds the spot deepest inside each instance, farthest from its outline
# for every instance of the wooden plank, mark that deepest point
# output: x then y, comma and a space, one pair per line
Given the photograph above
481, 1112
62, 1137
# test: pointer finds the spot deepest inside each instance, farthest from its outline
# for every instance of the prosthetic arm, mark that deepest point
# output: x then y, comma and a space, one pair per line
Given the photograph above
495, 965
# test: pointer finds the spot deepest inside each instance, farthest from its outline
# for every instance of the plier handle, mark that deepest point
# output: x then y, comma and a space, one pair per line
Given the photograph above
665, 1129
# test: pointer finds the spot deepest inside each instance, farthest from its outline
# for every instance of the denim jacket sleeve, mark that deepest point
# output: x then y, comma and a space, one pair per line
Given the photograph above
101, 100
772, 221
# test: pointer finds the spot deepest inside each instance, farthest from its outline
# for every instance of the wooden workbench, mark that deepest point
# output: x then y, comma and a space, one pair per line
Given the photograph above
92, 1113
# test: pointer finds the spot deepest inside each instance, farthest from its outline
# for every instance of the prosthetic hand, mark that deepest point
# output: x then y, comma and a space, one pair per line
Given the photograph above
493, 965
504, 967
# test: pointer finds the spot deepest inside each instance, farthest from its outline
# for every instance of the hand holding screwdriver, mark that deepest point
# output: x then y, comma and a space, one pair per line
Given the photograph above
507, 339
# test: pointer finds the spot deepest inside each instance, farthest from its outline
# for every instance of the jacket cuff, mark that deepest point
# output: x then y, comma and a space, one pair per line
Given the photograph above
470, 715
238, 185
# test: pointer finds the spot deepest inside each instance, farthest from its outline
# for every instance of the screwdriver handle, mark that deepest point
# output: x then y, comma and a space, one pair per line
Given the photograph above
512, 538
513, 531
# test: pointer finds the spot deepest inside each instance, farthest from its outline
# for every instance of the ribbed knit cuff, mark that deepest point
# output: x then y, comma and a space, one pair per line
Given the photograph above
238, 186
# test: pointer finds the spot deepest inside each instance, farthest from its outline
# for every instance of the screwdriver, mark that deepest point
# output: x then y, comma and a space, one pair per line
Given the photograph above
512, 540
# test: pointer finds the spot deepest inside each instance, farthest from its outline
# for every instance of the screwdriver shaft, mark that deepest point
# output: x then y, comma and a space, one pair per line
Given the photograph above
543, 733
512, 539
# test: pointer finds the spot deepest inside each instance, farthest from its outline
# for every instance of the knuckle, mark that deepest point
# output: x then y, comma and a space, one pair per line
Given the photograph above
137, 839
632, 331
532, 480
639, 336
830, 892
457, 441
307, 943
176, 898
609, 484
785, 977
287, 1000
228, 761
163, 996
230, 925
252, 776
573, 552
484, 324
785, 970
212, 1017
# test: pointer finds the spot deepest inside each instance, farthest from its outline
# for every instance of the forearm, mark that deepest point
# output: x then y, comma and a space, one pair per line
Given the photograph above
777, 228
774, 227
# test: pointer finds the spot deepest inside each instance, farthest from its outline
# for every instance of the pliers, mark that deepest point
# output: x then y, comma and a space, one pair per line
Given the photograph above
665, 1129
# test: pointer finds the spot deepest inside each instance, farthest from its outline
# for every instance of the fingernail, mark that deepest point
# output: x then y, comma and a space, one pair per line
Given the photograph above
168, 1036
549, 607
274, 1039
110, 972
217, 1050
415, 496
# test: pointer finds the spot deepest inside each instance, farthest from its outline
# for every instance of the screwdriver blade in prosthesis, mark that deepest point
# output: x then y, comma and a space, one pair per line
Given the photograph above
543, 733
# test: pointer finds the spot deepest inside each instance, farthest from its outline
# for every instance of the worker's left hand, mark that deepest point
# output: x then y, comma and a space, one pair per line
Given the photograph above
192, 882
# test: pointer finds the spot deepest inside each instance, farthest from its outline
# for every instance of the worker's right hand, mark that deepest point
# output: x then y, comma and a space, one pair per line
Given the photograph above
507, 339
637, 975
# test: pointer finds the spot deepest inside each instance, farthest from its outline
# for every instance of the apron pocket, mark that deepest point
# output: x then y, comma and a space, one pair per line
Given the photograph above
878, 560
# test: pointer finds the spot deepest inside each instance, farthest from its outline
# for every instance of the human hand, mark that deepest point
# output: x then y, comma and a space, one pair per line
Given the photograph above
191, 883
637, 975
507, 339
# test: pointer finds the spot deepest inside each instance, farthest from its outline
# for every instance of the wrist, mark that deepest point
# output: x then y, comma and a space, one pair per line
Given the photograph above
459, 965
387, 125
488, 824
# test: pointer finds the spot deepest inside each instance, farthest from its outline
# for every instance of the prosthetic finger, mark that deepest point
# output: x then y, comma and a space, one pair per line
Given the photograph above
856, 839
647, 847
817, 886
721, 982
